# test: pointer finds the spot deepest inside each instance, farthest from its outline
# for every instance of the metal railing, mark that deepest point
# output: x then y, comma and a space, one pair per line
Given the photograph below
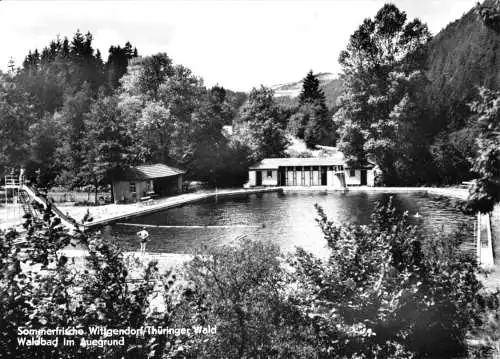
12, 180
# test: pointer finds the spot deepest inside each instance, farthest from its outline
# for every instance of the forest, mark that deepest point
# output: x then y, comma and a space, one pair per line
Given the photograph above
409, 102
71, 119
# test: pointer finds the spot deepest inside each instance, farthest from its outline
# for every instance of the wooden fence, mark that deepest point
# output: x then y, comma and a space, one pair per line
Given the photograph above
73, 196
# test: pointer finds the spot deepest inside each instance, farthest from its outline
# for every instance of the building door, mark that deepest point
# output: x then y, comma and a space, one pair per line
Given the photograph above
282, 176
323, 176
258, 178
363, 177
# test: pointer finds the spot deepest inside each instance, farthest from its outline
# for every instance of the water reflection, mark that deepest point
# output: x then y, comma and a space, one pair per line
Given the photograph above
286, 219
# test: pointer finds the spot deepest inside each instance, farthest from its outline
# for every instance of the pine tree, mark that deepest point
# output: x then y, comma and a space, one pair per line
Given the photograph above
311, 92
316, 127
118, 60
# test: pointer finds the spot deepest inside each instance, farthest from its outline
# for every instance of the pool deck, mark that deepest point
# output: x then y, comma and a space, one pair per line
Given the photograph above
134, 260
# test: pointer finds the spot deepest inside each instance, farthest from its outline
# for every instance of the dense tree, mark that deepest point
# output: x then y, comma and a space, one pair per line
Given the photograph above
382, 76
48, 82
72, 118
209, 140
234, 100
166, 122
311, 93
181, 122
236, 159
485, 191
461, 58
312, 122
117, 63
16, 116
62, 68
45, 139
88, 66
155, 70
490, 13
106, 142
319, 127
451, 153
260, 125
182, 94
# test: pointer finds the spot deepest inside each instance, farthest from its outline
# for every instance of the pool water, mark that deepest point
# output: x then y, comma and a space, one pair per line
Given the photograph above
287, 219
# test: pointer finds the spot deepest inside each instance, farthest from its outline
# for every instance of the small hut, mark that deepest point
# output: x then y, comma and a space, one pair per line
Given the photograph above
134, 184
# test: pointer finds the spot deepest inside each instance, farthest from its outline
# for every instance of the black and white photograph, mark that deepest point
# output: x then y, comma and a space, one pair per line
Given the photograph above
249, 179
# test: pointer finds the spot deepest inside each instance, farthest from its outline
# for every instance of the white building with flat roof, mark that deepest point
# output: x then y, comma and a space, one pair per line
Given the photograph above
314, 171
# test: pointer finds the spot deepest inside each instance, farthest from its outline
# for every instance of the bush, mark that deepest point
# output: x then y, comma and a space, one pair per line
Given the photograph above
384, 292
242, 291
62, 294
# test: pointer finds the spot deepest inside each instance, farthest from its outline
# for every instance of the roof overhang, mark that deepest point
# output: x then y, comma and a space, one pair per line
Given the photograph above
147, 172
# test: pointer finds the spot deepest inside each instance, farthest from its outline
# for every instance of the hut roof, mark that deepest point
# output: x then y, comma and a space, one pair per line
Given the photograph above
145, 172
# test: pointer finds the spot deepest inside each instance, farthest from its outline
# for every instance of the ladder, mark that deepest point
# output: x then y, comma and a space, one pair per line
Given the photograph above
25, 201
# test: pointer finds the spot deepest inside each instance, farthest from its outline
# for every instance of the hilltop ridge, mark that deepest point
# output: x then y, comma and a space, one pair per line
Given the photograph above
329, 83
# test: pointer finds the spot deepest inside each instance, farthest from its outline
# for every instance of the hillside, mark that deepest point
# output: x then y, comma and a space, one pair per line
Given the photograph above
329, 83
461, 57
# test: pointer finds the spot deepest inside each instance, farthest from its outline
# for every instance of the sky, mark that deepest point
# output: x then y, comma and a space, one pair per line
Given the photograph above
236, 44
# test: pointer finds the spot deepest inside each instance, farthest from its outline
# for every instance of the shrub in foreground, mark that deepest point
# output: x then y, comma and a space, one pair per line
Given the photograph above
381, 292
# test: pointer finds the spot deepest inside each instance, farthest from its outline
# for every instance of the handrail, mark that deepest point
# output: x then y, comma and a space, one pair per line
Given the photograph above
11, 180
70, 221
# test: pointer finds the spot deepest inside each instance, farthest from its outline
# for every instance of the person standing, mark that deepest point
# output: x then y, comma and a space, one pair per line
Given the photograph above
143, 236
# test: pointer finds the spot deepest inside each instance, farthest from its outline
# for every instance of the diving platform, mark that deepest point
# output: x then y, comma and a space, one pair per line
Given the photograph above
31, 201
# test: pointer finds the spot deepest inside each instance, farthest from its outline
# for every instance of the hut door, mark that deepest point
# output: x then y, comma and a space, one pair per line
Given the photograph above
258, 178
363, 177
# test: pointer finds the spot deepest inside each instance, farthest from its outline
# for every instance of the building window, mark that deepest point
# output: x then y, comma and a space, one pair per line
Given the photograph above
131, 187
352, 173
269, 174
